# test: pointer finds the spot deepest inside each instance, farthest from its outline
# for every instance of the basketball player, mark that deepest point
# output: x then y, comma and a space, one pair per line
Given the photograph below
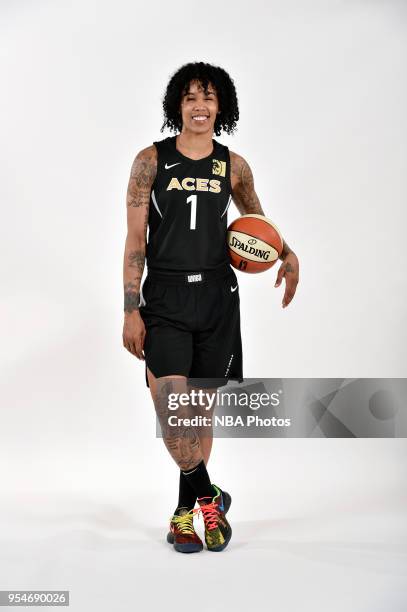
185, 321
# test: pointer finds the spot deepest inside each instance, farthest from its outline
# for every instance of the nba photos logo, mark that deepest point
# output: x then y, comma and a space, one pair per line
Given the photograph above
218, 167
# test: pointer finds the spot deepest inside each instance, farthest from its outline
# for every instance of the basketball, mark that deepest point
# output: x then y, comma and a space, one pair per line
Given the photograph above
255, 243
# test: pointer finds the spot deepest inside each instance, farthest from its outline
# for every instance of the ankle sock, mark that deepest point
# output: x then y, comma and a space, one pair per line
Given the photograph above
186, 495
199, 481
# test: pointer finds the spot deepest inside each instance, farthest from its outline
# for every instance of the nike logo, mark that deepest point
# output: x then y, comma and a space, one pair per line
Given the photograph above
233, 288
167, 167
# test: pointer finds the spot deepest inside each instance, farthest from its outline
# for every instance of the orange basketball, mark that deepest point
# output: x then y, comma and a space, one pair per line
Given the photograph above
255, 243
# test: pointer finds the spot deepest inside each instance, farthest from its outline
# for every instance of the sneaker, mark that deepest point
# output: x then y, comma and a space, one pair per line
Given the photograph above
227, 500
182, 533
217, 529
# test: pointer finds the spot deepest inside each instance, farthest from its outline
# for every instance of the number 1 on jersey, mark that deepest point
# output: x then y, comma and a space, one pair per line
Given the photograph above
192, 200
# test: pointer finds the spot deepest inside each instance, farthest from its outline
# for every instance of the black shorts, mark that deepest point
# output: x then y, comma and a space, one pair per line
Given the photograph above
192, 322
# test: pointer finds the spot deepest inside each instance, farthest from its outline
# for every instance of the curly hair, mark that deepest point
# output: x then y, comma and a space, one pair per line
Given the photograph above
204, 73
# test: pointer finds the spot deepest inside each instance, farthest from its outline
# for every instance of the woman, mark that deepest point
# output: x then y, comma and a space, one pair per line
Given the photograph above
185, 323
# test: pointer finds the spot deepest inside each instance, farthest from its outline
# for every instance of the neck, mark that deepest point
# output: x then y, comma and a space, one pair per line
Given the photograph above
197, 145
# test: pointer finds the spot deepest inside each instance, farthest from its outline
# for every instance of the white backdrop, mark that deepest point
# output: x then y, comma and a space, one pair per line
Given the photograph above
322, 93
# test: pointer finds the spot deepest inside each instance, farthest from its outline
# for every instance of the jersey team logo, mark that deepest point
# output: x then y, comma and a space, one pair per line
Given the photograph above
218, 167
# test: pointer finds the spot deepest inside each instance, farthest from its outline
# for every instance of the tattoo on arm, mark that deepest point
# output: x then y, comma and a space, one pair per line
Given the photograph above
136, 260
131, 298
142, 175
286, 250
244, 194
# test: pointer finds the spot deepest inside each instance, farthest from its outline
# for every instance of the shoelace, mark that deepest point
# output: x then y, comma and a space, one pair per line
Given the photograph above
210, 513
184, 523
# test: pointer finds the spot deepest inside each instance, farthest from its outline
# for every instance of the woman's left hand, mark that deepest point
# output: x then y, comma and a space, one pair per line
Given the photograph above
289, 270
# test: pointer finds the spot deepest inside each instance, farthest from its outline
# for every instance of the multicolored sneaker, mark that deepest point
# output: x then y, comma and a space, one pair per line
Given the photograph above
227, 500
217, 529
182, 533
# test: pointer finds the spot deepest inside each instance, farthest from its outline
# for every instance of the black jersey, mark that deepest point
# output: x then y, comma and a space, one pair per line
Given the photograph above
188, 209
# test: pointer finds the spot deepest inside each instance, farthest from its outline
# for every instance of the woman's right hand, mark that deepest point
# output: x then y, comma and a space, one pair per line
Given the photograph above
134, 332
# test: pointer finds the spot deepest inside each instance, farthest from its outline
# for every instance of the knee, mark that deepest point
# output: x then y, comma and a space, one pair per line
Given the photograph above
187, 466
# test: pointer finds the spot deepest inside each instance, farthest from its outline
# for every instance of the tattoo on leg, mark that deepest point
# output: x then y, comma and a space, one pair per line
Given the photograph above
181, 441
